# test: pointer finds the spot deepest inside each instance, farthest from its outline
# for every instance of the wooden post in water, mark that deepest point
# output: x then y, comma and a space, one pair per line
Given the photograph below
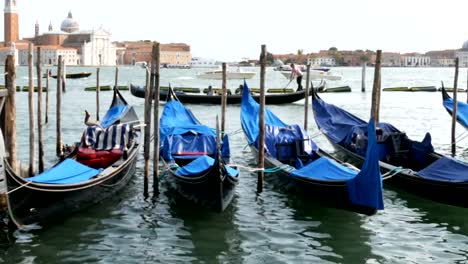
306, 103
39, 111
116, 77
455, 106
375, 108
10, 112
467, 86
223, 102
63, 77
261, 122
98, 89
155, 65
47, 97
363, 83
32, 151
146, 146
59, 149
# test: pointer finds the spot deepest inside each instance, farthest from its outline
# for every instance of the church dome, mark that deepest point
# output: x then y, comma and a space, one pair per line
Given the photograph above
465, 45
69, 24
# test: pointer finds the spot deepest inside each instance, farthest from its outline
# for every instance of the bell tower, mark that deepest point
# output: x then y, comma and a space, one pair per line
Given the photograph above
11, 29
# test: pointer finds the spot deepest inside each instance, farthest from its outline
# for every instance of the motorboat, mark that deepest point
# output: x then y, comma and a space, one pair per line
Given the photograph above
316, 74
230, 74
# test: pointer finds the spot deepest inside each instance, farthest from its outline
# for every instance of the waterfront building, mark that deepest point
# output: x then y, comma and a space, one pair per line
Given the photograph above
391, 59
462, 55
415, 60
322, 61
131, 52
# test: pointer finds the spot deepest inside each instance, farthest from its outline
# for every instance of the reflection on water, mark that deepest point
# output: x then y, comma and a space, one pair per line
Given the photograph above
271, 227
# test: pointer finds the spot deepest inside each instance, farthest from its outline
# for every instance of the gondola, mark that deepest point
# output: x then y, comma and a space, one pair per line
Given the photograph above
298, 165
198, 98
77, 75
100, 166
417, 168
196, 163
462, 108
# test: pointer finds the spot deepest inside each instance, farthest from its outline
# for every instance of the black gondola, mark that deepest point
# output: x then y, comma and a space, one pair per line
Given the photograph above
417, 168
77, 75
462, 108
198, 98
196, 163
70, 186
299, 165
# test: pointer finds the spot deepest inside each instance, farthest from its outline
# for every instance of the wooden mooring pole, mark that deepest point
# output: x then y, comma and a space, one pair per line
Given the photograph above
261, 122
98, 89
10, 112
47, 96
363, 82
116, 77
454, 111
32, 151
223, 101
59, 149
146, 146
63, 76
375, 108
306, 103
39, 111
155, 67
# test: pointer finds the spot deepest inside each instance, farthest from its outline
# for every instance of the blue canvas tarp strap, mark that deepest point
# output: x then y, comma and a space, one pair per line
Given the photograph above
366, 188
200, 166
462, 111
66, 172
446, 169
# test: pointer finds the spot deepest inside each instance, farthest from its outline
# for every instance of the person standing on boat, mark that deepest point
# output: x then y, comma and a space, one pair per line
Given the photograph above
296, 72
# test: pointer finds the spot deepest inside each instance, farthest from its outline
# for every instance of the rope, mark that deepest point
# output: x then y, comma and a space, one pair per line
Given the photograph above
395, 171
268, 170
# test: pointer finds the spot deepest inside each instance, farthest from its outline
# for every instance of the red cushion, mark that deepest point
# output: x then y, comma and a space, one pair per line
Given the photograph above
98, 159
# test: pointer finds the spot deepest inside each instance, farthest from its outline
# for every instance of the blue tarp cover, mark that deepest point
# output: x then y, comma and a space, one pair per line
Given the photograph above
201, 165
446, 169
66, 172
191, 144
113, 114
325, 169
462, 111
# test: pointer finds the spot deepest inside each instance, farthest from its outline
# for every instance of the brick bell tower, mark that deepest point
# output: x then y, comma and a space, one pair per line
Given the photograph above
11, 29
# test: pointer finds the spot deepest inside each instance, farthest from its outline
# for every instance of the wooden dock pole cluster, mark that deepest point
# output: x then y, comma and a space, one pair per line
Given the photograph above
306, 103
261, 121
10, 113
376, 91
152, 92
454, 111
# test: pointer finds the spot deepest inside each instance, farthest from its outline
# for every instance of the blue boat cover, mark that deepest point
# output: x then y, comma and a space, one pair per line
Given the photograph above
462, 111
325, 169
201, 165
446, 169
113, 114
66, 172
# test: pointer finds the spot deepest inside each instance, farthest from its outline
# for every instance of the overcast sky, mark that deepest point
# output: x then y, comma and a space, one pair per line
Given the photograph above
230, 30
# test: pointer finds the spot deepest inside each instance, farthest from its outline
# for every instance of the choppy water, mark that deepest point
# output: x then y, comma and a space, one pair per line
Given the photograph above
271, 227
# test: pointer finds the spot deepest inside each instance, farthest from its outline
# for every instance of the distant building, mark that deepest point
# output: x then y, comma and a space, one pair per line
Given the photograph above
415, 60
441, 58
322, 61
391, 59
131, 52
462, 55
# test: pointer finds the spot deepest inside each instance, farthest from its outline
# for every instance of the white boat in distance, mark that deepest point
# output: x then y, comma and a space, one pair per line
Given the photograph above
315, 74
230, 74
